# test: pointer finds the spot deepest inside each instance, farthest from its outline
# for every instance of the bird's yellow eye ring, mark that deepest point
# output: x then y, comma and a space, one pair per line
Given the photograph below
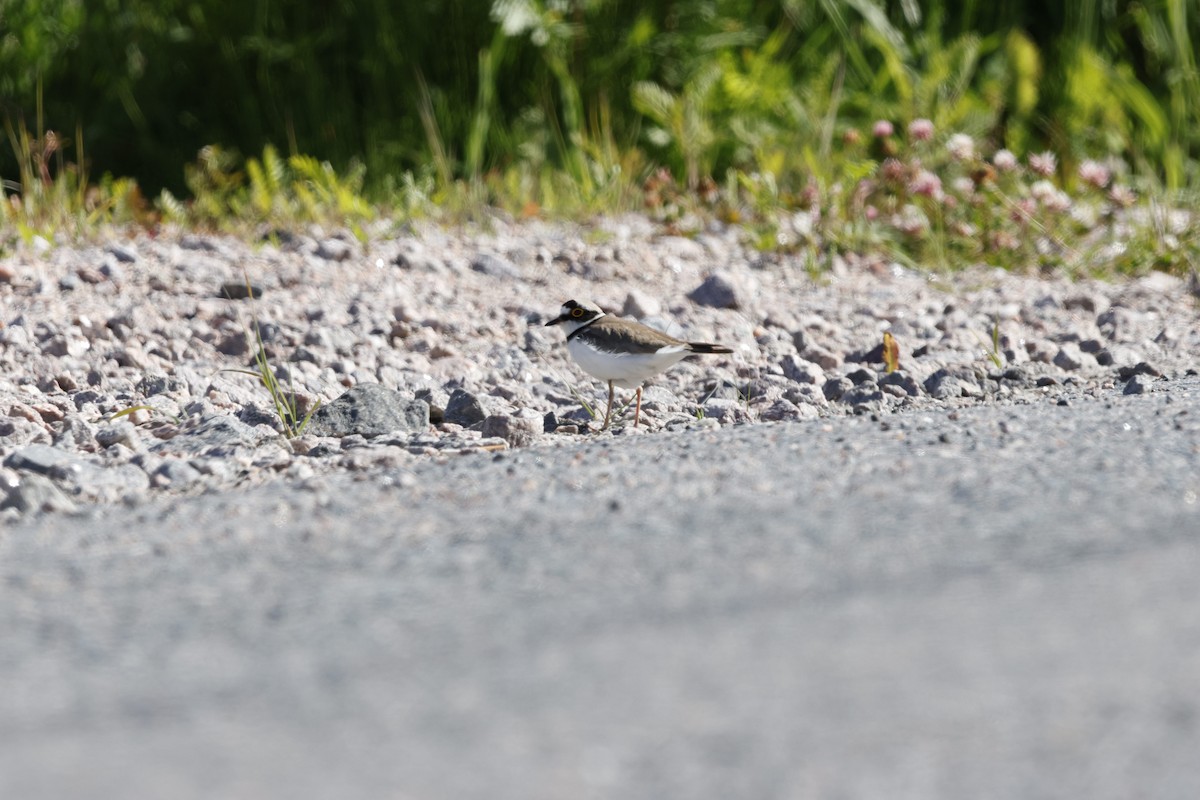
576, 312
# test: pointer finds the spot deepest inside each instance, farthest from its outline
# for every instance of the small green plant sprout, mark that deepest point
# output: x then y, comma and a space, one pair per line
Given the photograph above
745, 396
131, 410
992, 349
700, 413
125, 412
591, 412
287, 406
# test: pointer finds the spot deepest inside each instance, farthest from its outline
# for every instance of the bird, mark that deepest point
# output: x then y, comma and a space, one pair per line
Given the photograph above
620, 351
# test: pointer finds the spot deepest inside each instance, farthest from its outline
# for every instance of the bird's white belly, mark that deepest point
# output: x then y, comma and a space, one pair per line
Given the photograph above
627, 370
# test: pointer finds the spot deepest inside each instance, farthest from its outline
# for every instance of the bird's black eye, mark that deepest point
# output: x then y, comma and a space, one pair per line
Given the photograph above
576, 312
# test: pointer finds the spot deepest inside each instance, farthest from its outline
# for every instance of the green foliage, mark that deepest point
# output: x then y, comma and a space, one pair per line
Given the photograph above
757, 110
33, 37
268, 191
749, 79
50, 195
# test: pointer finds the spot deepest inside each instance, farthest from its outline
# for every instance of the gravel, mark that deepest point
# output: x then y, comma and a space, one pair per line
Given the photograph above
130, 355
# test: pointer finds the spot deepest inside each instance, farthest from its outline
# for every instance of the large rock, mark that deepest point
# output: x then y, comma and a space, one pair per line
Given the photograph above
718, 290
639, 304
519, 430
495, 266
464, 408
217, 435
801, 371
37, 494
949, 383
40, 459
370, 410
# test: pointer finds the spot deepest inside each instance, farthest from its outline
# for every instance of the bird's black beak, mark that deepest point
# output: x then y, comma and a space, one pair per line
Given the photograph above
556, 320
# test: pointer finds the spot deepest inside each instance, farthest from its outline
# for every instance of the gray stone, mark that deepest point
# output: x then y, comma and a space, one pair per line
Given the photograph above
801, 370
682, 247
254, 415
334, 250
495, 266
103, 483
63, 345
1120, 324
418, 260
66, 381
519, 430
822, 357
176, 474
464, 408
1041, 350
1091, 302
592, 269
782, 411
1141, 368
946, 384
370, 410
235, 343
1071, 358
865, 393
719, 290
1139, 384
194, 242
860, 376
240, 290
18, 431
806, 394
1156, 282
78, 433
725, 410
40, 459
902, 381
122, 253
1018, 376
160, 384
111, 269
639, 304
37, 494
120, 431
1119, 355
216, 435
437, 399
834, 388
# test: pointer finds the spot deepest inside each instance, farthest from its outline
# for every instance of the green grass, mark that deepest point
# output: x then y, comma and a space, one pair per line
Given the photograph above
292, 419
992, 348
939, 200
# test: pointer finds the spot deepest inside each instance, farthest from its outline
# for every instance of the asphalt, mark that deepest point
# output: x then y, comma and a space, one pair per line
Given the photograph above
989, 602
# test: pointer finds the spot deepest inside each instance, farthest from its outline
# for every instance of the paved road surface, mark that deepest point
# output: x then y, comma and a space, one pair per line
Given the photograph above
994, 603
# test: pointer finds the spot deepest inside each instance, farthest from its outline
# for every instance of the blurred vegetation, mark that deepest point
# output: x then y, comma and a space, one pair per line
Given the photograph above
572, 106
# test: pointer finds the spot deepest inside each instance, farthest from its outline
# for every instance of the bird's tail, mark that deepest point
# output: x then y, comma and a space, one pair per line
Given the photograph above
700, 347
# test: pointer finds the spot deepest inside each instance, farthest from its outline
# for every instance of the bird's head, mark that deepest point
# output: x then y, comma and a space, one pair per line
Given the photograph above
575, 314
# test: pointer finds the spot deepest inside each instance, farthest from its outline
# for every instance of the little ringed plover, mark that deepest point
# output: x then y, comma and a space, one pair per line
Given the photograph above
620, 351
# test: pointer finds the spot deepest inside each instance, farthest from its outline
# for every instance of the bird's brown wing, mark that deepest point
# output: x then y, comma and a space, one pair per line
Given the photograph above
630, 336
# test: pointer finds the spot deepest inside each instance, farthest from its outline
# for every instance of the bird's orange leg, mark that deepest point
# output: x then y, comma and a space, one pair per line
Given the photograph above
608, 413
